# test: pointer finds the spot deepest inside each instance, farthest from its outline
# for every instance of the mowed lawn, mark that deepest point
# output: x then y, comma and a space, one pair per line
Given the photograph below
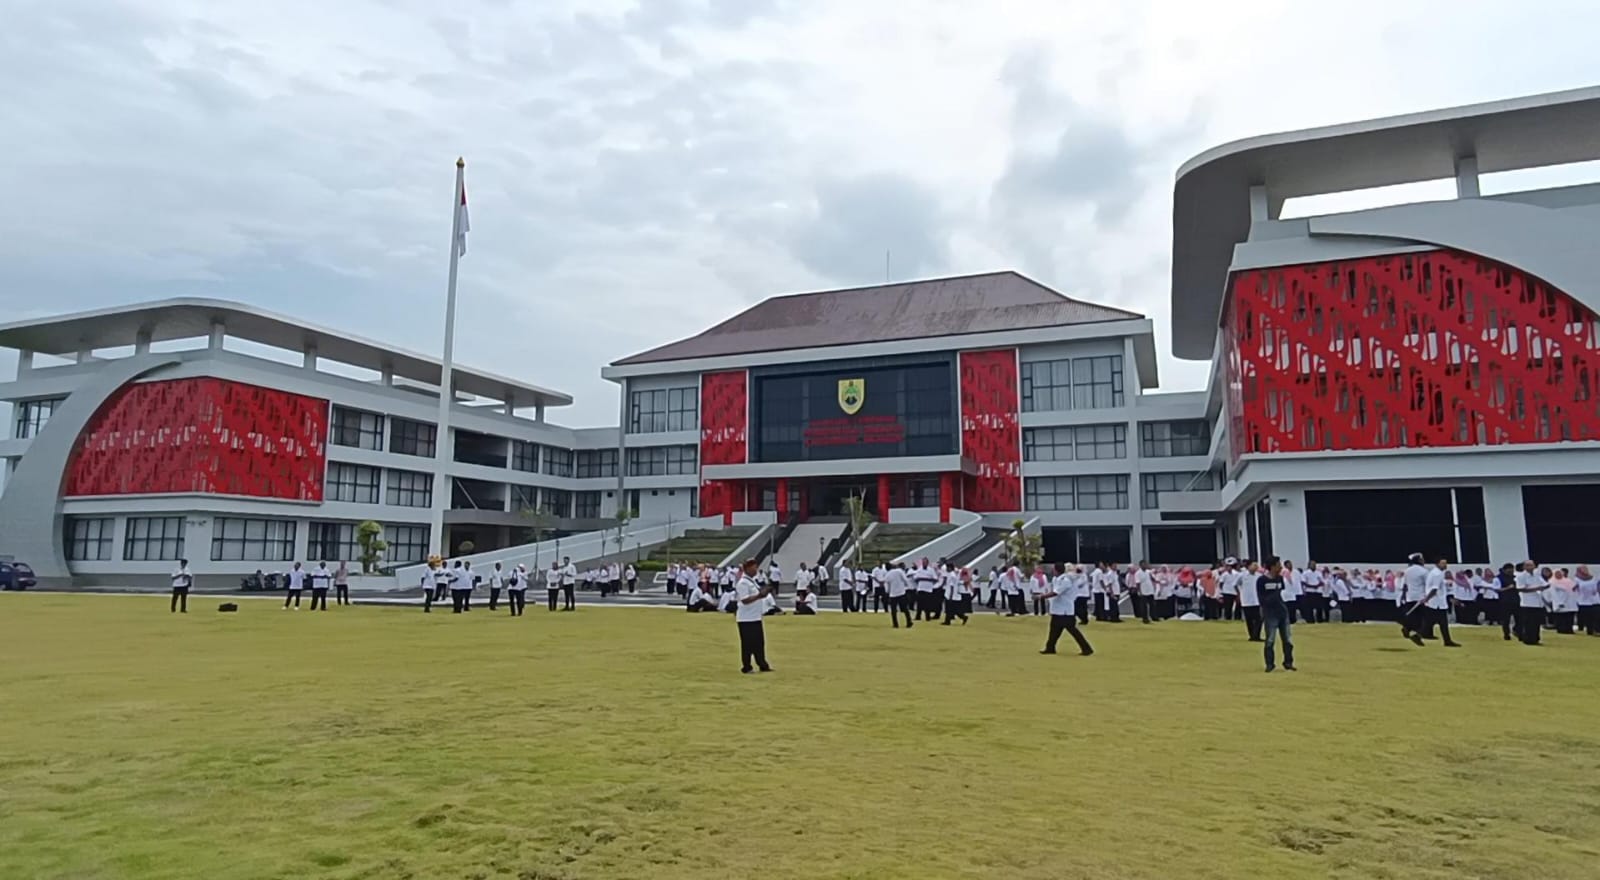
623, 743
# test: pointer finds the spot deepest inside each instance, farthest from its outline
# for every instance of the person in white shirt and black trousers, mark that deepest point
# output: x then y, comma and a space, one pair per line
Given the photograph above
321, 579
752, 638
1062, 594
517, 590
497, 582
569, 583
182, 580
295, 582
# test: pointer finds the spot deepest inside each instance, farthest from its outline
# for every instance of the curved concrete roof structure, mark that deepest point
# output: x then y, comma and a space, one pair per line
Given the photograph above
1211, 198
189, 317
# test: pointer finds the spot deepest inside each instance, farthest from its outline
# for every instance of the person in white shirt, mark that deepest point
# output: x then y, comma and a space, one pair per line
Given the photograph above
1250, 601
863, 578
957, 592
1038, 585
898, 585
847, 588
1144, 586
805, 602
1588, 594
1530, 586
182, 580
517, 590
497, 582
803, 578
430, 576
1080, 584
1063, 597
1343, 596
698, 600
441, 584
632, 576
462, 589
775, 576
1111, 588
1435, 600
295, 581
880, 591
1313, 604
1228, 588
552, 585
341, 584
672, 577
569, 584
926, 580
1012, 582
752, 638
321, 579
1413, 588
1464, 597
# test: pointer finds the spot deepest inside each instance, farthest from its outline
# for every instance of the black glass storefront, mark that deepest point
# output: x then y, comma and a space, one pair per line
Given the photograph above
863, 409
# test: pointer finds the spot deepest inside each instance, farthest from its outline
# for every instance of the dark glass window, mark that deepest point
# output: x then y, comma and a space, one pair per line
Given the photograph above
1562, 522
1387, 525
1101, 441
587, 505
655, 461
664, 409
1087, 545
412, 438
1152, 485
525, 456
152, 538
32, 415
88, 539
596, 463
1103, 492
332, 542
1168, 439
558, 502
557, 462
1049, 493
353, 482
410, 488
1189, 544
907, 410
407, 544
355, 428
265, 540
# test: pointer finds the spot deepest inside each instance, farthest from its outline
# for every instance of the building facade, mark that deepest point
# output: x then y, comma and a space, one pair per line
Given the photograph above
1411, 378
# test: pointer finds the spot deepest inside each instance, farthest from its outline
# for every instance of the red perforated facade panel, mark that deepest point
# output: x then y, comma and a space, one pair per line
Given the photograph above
990, 436
203, 435
1439, 348
724, 420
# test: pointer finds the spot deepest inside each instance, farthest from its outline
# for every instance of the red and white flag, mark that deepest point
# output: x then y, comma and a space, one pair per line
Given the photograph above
461, 222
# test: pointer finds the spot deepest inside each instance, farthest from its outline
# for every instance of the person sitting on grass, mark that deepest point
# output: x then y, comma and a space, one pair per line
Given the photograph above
805, 602
699, 601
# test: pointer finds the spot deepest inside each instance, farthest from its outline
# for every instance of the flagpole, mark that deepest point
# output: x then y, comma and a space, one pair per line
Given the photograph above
443, 445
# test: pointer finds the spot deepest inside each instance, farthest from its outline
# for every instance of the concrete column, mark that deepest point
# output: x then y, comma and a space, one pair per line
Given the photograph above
386, 375
1260, 204
538, 412
1289, 535
85, 355
24, 362
622, 439
311, 358
1135, 449
218, 333
1506, 520
510, 406
1466, 177
141, 343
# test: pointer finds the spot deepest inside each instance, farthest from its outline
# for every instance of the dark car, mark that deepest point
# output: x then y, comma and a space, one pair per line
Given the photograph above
16, 576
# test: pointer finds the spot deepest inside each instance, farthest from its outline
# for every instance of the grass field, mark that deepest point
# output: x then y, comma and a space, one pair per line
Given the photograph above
623, 743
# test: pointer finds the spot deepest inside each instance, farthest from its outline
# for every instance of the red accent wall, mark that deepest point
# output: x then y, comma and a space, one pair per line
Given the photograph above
1439, 348
990, 435
203, 435
724, 418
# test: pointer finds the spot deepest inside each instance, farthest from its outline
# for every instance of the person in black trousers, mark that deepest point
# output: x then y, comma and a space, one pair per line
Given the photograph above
553, 584
320, 580
748, 614
1250, 602
1062, 594
341, 584
899, 587
181, 581
1274, 614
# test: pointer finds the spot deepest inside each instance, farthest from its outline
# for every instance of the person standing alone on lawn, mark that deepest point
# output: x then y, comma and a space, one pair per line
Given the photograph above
1274, 614
295, 582
341, 584
1062, 594
752, 638
182, 580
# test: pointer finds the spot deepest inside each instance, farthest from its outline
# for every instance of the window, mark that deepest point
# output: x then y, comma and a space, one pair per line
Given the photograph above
1087, 545
525, 456
267, 540
664, 409
1167, 439
32, 414
1178, 545
557, 462
332, 542
558, 502
407, 544
353, 482
1046, 386
410, 489
152, 538
1384, 525
524, 498
694, 502
1152, 485
1095, 442
413, 438
1047, 444
597, 463
655, 461
1097, 382
1561, 521
1103, 492
588, 505
357, 428
1049, 493
88, 539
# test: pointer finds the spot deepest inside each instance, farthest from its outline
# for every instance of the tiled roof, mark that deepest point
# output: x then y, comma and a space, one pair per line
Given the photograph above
985, 303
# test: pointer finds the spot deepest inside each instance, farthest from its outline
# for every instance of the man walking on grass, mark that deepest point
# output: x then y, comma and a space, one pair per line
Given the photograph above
1063, 596
1274, 614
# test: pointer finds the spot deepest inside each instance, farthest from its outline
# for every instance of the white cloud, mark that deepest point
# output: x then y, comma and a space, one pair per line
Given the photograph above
640, 170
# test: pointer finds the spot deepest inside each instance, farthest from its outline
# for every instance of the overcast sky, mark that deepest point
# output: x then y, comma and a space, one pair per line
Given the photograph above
640, 170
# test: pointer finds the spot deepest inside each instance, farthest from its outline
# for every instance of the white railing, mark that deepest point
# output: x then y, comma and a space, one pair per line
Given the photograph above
848, 552
747, 549
992, 557
579, 548
969, 528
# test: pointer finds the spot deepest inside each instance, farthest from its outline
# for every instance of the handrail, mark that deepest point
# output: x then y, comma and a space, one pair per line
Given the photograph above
950, 543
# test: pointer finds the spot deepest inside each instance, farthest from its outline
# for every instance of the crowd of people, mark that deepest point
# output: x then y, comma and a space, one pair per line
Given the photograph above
1423, 598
